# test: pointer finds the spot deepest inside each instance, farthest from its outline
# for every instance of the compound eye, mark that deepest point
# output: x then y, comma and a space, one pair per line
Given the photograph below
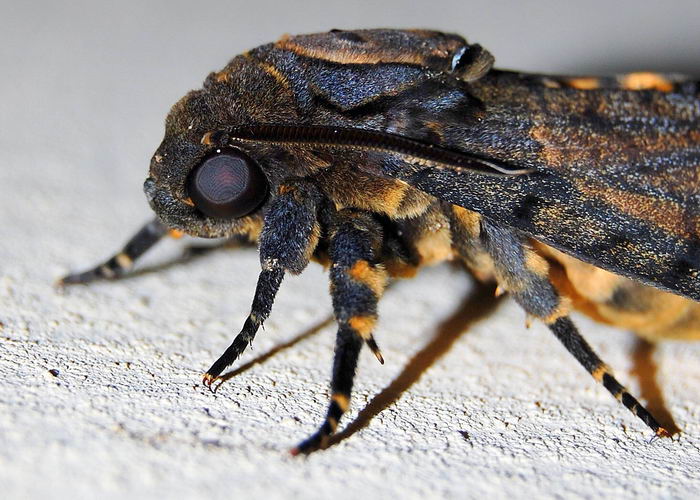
227, 185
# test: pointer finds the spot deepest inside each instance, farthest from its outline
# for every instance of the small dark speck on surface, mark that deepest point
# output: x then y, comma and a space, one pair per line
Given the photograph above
54, 372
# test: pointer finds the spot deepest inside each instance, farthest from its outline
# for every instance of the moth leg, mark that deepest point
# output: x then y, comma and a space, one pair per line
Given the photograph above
289, 237
357, 283
524, 274
567, 333
465, 230
269, 282
235, 241
120, 263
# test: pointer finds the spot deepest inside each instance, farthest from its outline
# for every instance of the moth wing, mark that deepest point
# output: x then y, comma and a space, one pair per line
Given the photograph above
638, 80
628, 203
589, 228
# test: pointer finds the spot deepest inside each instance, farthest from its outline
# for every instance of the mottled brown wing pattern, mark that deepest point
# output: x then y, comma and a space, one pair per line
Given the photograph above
617, 180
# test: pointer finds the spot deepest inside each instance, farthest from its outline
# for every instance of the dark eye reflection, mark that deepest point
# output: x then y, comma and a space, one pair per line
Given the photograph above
227, 185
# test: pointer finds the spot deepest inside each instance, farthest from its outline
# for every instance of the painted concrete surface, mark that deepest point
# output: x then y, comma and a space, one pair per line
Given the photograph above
100, 392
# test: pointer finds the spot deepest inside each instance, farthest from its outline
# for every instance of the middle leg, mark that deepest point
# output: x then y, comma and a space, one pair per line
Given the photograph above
357, 283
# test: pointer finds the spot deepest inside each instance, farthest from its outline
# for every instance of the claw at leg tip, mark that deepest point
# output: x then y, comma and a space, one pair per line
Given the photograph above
663, 433
208, 379
62, 283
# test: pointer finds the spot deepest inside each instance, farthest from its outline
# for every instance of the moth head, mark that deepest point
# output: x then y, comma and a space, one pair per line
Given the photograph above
198, 181
208, 184
204, 188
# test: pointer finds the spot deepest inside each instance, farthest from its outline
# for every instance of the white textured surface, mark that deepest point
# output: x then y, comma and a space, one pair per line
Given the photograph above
503, 411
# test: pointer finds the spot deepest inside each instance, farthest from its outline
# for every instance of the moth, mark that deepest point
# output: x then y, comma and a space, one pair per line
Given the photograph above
377, 152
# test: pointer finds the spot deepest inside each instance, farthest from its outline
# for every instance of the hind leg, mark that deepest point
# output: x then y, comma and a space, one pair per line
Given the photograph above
523, 273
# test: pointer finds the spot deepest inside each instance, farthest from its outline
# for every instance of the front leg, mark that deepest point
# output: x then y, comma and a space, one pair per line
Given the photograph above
357, 283
289, 237
123, 261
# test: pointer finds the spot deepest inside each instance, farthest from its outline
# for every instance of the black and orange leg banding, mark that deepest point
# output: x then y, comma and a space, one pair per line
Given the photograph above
119, 264
525, 274
357, 280
566, 332
357, 283
347, 350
